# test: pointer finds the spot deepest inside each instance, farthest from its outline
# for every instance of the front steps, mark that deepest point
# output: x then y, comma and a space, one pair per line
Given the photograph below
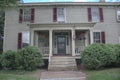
62, 63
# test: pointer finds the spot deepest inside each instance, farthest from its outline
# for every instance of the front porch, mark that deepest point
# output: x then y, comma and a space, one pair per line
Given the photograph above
60, 39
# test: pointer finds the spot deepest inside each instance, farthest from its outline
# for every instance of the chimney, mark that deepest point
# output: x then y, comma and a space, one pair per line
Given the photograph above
102, 0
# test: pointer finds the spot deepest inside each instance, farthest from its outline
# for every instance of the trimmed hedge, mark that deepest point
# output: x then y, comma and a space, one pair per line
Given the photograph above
117, 51
9, 60
31, 58
97, 56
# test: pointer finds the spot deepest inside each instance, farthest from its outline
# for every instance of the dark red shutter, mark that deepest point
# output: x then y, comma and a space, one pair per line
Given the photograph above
32, 15
20, 15
19, 40
101, 14
89, 15
103, 37
54, 14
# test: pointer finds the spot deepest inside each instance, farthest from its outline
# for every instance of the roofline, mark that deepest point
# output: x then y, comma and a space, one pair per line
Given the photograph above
71, 3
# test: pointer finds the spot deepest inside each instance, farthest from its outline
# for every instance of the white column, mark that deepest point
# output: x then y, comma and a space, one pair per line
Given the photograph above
50, 42
73, 41
31, 37
91, 36
86, 38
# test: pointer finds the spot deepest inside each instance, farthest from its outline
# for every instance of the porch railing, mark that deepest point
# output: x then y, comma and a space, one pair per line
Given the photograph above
79, 49
44, 50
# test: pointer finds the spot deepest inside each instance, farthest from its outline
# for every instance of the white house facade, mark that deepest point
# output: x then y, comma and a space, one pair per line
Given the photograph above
61, 29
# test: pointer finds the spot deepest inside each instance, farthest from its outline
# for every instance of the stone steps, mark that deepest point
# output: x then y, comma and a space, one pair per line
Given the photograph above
62, 63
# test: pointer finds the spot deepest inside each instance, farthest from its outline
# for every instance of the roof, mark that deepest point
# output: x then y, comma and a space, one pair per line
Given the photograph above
71, 3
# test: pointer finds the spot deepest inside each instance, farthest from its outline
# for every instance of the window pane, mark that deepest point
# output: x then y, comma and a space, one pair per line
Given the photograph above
26, 14
95, 15
25, 38
60, 12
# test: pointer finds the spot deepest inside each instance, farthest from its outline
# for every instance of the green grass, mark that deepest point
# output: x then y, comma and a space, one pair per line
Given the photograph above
108, 74
17, 75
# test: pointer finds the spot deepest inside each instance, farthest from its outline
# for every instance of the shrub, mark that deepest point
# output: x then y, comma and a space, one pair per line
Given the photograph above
0, 63
9, 60
97, 56
31, 58
117, 51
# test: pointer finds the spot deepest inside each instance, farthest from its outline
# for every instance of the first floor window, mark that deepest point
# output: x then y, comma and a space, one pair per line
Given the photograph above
23, 39
99, 37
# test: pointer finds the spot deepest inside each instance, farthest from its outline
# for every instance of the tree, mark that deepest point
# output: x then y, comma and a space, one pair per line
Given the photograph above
4, 4
7, 3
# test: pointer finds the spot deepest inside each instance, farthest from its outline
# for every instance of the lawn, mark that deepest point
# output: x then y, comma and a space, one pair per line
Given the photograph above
107, 74
19, 75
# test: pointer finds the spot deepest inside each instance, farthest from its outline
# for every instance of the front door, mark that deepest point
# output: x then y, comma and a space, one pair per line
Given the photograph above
61, 44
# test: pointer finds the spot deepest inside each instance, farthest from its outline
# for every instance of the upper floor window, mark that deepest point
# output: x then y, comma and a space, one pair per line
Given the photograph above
26, 15
58, 14
118, 16
95, 14
99, 37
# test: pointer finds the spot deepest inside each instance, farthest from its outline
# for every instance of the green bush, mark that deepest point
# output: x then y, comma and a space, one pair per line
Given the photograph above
0, 62
31, 58
9, 59
96, 56
117, 51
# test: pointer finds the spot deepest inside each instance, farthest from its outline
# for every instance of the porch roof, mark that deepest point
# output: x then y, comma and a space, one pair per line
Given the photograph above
32, 25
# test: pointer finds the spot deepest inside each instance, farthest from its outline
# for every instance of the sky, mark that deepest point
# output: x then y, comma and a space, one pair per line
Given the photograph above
26, 1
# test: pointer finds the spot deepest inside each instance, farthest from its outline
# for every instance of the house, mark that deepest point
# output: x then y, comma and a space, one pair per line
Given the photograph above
61, 30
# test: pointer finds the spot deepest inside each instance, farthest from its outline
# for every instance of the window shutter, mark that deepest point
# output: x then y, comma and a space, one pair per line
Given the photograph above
103, 37
54, 14
32, 15
20, 15
19, 40
89, 15
101, 14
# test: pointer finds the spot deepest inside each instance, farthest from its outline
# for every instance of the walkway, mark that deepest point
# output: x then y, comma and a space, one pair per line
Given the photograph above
62, 75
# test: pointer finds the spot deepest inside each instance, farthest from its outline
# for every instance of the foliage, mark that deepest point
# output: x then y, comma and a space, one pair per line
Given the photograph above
9, 60
31, 58
97, 56
7, 3
0, 62
117, 51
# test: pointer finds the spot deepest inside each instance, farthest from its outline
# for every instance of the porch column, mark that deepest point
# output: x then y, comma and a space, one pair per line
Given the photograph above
73, 42
91, 36
32, 37
50, 42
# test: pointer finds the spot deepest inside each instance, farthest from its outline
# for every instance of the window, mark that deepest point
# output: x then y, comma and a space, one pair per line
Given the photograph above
58, 14
61, 16
118, 16
26, 15
95, 14
23, 39
99, 37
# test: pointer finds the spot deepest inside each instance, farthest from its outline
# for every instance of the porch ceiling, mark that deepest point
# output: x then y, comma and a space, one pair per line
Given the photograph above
62, 25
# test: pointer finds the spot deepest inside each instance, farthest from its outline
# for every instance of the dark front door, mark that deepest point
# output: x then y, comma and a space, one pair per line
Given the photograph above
61, 44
